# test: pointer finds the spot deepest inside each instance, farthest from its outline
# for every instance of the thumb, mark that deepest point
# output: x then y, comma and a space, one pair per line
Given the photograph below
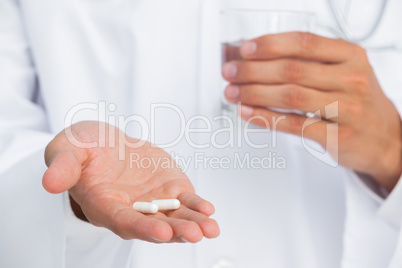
63, 173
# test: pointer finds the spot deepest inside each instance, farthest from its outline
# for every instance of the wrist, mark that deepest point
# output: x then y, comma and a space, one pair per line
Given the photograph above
389, 163
389, 167
388, 181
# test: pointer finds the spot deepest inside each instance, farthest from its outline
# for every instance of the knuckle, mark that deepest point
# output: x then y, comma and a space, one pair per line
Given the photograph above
354, 109
293, 70
359, 83
359, 52
359, 56
269, 45
293, 97
261, 119
307, 42
248, 71
273, 48
296, 124
249, 95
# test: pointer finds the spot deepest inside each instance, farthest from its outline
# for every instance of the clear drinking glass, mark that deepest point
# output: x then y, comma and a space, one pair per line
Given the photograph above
239, 25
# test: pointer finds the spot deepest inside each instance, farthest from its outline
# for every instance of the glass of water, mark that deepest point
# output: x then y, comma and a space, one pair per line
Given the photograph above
239, 25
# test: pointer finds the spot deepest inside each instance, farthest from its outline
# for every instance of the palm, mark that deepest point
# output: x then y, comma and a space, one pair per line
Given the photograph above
106, 187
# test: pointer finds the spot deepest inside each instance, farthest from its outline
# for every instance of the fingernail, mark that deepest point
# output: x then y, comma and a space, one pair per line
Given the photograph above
183, 240
246, 111
232, 92
157, 240
229, 70
248, 48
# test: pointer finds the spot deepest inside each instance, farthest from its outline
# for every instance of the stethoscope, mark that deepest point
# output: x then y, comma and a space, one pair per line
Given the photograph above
345, 31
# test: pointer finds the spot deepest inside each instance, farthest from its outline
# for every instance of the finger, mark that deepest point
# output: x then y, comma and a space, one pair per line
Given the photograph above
194, 202
183, 230
311, 128
63, 173
209, 227
284, 71
124, 221
299, 45
287, 96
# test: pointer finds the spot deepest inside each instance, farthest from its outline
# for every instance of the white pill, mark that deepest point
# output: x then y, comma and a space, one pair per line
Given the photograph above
167, 204
145, 207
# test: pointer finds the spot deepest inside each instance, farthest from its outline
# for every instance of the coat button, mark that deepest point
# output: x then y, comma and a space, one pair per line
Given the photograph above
223, 263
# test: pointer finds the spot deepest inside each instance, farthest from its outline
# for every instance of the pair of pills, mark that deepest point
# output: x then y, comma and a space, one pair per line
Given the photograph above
156, 205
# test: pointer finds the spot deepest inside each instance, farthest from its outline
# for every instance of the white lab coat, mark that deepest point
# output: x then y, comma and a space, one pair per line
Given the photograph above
55, 54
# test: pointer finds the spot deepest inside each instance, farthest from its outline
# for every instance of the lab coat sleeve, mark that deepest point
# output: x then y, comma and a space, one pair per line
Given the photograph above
391, 208
31, 226
372, 224
37, 225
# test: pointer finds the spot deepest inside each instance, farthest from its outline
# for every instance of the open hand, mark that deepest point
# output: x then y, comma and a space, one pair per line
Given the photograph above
106, 187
